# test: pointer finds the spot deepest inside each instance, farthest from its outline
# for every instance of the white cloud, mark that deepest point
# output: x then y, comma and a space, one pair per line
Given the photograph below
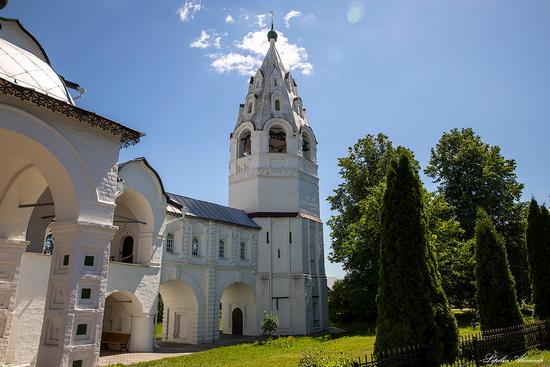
244, 55
229, 19
202, 41
291, 14
294, 57
260, 20
188, 10
218, 42
243, 64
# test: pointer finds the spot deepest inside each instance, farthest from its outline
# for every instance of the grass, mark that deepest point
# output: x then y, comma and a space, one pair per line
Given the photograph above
159, 331
284, 351
535, 358
287, 351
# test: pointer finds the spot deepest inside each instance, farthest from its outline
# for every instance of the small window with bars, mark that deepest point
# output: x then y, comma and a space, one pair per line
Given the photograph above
170, 242
221, 249
195, 247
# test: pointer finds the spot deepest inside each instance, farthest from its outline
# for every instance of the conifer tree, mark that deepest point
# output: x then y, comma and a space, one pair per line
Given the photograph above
538, 247
412, 307
496, 294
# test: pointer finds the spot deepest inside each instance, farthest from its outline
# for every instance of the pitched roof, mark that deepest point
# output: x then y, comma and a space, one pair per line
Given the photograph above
215, 212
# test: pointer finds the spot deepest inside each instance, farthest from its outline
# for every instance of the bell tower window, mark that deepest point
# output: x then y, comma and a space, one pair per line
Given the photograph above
277, 105
245, 144
277, 140
306, 146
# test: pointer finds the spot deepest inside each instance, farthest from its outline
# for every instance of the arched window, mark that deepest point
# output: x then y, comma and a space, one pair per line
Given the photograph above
195, 247
47, 249
221, 249
127, 254
170, 242
245, 144
277, 104
258, 80
277, 140
242, 251
250, 104
274, 81
306, 146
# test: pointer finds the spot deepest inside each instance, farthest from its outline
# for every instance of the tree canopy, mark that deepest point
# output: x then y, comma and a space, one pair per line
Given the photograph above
472, 174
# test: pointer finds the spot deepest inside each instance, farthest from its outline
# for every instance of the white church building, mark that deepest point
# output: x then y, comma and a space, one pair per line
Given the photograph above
119, 239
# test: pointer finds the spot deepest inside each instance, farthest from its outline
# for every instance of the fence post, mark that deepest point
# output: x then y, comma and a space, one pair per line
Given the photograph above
476, 351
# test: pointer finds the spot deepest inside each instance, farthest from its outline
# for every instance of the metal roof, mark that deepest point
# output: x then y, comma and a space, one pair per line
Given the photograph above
216, 212
21, 67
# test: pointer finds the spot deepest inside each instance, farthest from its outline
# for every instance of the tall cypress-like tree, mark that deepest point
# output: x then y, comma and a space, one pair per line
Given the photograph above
538, 247
496, 294
412, 307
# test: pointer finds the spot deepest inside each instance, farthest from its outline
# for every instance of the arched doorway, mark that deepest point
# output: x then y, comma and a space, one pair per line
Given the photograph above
181, 312
127, 255
122, 309
133, 241
237, 322
238, 310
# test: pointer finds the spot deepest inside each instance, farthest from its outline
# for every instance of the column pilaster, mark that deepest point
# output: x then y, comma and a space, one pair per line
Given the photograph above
11, 252
73, 317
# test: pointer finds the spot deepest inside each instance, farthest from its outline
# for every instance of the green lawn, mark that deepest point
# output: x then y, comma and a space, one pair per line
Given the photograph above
159, 331
532, 359
278, 352
358, 342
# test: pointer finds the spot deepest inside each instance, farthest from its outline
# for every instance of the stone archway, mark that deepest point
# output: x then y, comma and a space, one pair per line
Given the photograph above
182, 314
42, 169
238, 304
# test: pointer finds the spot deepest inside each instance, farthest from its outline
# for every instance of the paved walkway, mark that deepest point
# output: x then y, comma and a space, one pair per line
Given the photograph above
167, 350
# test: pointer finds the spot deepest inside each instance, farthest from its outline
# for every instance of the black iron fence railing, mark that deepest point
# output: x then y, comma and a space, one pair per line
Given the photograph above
476, 349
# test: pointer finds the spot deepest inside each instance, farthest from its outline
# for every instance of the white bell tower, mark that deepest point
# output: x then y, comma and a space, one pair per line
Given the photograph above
273, 177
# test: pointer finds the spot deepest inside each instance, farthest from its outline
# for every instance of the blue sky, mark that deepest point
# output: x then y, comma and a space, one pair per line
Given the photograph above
411, 69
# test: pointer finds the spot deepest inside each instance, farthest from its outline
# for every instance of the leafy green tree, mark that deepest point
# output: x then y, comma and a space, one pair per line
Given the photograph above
538, 245
346, 299
356, 226
496, 295
454, 253
412, 307
472, 174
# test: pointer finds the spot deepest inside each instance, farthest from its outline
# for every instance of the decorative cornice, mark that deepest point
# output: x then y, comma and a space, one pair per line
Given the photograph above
127, 136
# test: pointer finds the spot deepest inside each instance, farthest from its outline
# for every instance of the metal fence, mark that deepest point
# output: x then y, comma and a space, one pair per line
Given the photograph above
476, 349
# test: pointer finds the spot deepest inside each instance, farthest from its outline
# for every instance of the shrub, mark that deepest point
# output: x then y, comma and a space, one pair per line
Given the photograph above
319, 359
269, 324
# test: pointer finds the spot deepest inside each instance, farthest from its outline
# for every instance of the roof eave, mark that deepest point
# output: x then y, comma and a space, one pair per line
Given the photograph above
127, 135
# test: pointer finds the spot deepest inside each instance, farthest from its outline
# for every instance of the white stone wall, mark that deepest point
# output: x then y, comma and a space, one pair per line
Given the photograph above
75, 162
206, 279
29, 309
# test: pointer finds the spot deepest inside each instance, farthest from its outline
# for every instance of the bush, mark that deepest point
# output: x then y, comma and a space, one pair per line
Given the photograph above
319, 359
269, 324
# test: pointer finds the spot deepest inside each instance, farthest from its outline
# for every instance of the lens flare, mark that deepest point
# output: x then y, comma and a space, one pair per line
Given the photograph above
356, 11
